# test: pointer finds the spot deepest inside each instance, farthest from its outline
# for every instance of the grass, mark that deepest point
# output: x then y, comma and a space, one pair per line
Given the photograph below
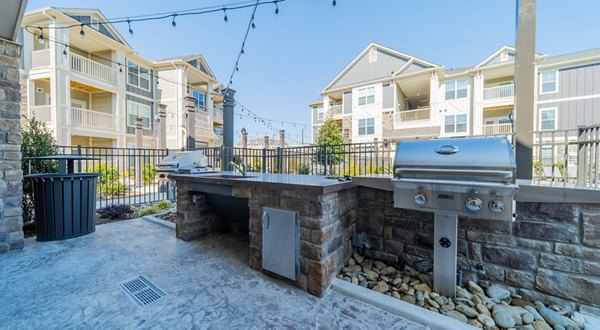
155, 208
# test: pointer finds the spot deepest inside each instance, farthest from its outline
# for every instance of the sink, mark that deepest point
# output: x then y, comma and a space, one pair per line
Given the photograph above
230, 176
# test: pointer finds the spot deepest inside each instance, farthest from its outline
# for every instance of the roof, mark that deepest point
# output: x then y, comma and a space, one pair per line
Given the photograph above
570, 57
453, 71
188, 58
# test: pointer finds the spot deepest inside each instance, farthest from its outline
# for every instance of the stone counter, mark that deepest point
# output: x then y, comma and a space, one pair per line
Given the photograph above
326, 208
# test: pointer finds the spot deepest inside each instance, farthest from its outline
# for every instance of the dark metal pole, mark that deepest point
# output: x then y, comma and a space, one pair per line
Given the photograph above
525, 87
228, 105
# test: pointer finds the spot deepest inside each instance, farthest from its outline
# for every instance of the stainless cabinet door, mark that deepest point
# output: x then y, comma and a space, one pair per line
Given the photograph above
280, 244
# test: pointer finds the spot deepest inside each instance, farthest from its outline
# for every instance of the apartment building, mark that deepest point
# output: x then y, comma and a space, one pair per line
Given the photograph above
384, 94
90, 92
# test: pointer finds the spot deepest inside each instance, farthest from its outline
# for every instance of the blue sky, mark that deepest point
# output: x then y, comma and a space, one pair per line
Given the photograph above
290, 57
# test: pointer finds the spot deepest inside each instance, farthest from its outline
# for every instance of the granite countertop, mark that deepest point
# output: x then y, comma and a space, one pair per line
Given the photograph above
314, 183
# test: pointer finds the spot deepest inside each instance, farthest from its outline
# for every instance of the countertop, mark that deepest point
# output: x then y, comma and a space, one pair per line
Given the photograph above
313, 183
529, 190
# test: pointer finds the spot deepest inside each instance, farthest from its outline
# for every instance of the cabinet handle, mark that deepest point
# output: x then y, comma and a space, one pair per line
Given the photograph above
266, 217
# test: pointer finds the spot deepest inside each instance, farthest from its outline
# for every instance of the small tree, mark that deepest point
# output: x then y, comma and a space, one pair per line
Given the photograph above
37, 141
329, 141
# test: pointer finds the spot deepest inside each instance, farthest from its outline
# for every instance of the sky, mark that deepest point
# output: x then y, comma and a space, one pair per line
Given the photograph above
290, 57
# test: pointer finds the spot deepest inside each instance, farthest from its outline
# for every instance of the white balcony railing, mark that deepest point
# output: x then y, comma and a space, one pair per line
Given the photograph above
336, 109
93, 119
92, 68
413, 115
497, 129
42, 113
40, 58
499, 92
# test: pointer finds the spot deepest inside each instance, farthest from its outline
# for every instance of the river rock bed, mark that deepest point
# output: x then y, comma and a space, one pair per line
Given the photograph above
492, 307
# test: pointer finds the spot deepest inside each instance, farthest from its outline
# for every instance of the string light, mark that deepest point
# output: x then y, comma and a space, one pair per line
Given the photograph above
334, 3
173, 24
225, 13
276, 9
65, 50
253, 25
129, 24
82, 33
41, 36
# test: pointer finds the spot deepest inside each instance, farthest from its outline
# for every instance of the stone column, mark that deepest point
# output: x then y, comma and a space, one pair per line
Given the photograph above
266, 144
11, 175
190, 110
161, 110
244, 138
228, 105
282, 138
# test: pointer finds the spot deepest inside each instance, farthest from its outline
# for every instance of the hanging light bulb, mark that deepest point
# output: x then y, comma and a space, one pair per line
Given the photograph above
82, 33
65, 50
334, 3
173, 24
225, 13
276, 8
41, 36
129, 24
242, 51
253, 25
120, 68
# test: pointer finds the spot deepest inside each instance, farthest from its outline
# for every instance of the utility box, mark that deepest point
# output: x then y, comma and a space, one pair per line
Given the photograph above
281, 242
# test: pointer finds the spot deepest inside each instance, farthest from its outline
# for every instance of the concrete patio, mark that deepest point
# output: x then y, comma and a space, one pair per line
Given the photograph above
74, 284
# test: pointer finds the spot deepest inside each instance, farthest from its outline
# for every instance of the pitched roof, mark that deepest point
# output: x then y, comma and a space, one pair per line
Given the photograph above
576, 56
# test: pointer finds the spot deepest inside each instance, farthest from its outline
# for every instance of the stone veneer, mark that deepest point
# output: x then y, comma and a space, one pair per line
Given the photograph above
327, 222
550, 253
11, 175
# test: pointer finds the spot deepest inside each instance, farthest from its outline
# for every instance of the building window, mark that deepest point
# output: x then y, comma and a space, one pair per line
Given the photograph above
547, 155
366, 95
138, 76
548, 82
135, 109
548, 119
198, 99
320, 113
366, 126
456, 89
455, 124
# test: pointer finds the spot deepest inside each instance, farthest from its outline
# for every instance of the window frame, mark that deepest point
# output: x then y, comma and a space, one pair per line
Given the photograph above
452, 87
367, 125
366, 95
555, 82
455, 123
136, 70
320, 113
550, 158
138, 104
541, 120
197, 101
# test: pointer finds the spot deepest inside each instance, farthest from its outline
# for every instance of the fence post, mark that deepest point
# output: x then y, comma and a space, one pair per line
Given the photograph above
264, 160
279, 161
581, 156
79, 154
326, 162
223, 158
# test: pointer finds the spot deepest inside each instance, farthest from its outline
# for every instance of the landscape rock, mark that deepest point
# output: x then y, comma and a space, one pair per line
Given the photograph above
359, 259
496, 292
525, 327
486, 320
381, 287
534, 312
396, 295
474, 287
352, 268
475, 323
504, 319
527, 318
409, 299
457, 315
483, 310
422, 287
578, 319
465, 301
433, 303
387, 271
541, 325
552, 317
468, 311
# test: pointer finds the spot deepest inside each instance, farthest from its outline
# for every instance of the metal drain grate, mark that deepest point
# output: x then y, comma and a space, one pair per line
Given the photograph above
141, 291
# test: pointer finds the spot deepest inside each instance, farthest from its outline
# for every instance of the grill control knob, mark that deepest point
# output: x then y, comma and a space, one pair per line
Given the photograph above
420, 199
473, 204
496, 206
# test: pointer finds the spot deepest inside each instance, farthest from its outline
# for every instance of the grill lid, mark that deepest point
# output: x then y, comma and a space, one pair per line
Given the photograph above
473, 159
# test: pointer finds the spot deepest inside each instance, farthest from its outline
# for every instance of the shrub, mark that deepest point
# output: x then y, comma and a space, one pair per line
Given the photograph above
112, 212
160, 206
109, 183
303, 169
330, 150
148, 173
37, 141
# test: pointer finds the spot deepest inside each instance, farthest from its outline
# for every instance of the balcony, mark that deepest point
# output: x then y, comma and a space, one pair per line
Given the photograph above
92, 69
336, 110
499, 94
93, 119
42, 112
497, 129
40, 58
412, 115
218, 115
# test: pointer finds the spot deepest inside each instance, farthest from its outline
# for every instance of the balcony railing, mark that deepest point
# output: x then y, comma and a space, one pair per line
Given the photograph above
93, 119
336, 109
413, 115
40, 58
499, 92
497, 129
93, 69
42, 113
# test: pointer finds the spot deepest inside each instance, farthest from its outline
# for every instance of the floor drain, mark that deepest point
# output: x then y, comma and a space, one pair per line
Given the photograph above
141, 291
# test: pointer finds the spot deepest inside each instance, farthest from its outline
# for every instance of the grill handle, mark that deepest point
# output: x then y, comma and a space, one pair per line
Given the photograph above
482, 184
502, 174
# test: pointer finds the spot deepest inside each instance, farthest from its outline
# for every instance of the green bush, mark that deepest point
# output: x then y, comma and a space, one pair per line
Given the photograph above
303, 169
329, 140
160, 206
148, 173
109, 183
37, 141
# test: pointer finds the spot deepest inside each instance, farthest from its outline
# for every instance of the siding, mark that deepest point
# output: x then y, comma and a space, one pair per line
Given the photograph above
363, 70
388, 96
576, 81
571, 114
414, 67
131, 130
102, 102
347, 100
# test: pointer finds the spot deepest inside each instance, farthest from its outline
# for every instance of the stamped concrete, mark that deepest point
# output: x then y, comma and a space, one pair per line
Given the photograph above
73, 284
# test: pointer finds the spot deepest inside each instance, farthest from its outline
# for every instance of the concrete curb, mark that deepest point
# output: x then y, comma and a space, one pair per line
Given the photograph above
401, 308
158, 221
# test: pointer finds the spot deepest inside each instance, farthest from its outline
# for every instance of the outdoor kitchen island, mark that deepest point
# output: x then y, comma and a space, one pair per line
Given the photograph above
325, 219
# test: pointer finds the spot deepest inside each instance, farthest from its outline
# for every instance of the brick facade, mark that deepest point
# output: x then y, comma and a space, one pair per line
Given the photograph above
11, 175
550, 253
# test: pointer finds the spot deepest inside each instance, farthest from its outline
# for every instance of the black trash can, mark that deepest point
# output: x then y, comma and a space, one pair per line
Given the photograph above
64, 202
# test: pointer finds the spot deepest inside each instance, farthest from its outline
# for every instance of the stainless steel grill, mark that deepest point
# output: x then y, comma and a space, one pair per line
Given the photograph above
470, 177
184, 162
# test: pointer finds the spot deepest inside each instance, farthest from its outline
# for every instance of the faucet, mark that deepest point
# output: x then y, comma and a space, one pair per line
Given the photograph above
240, 167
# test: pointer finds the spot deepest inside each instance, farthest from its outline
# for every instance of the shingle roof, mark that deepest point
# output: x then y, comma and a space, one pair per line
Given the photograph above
572, 56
